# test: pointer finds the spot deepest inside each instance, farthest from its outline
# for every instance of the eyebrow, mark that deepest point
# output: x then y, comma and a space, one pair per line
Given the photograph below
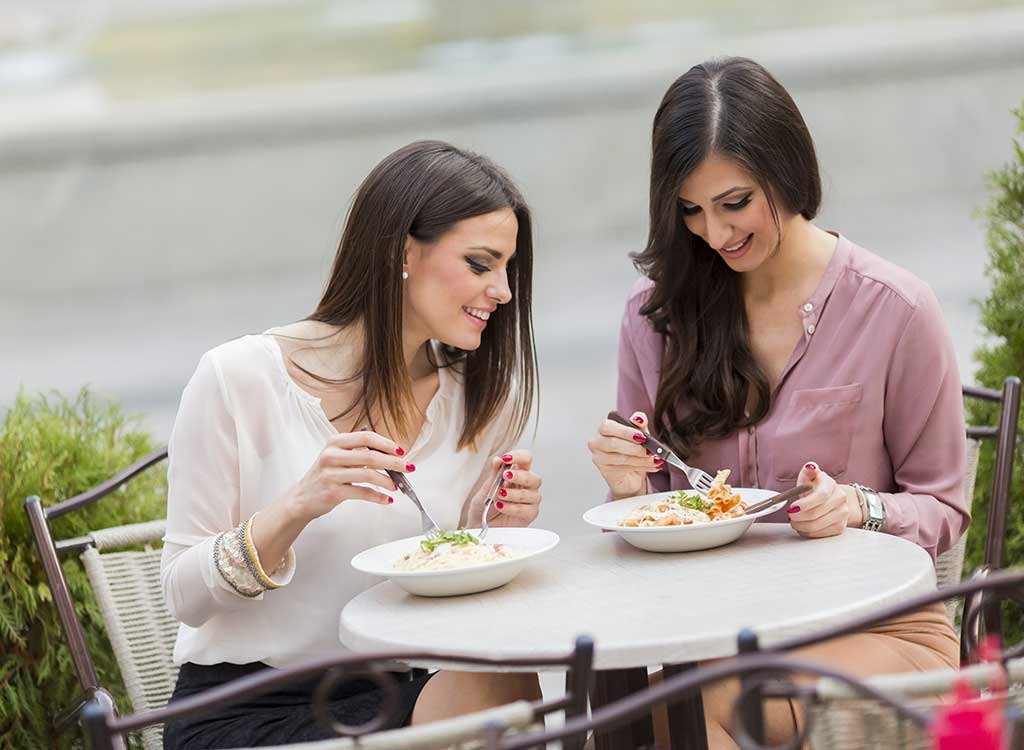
497, 254
719, 197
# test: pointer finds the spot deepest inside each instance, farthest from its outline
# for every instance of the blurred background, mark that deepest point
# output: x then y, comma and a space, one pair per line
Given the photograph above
175, 173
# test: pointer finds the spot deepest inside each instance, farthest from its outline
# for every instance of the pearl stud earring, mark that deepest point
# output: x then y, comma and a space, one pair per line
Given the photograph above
405, 275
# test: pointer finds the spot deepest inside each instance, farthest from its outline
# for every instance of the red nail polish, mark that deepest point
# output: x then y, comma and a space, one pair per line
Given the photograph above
509, 475
507, 458
659, 460
793, 509
399, 451
502, 492
410, 467
640, 438
499, 505
638, 419
391, 500
811, 466
648, 451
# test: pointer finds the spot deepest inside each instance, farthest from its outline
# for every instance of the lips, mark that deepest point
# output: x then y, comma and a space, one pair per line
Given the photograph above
478, 313
738, 246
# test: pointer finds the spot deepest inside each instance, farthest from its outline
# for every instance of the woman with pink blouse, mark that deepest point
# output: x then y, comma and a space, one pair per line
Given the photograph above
757, 342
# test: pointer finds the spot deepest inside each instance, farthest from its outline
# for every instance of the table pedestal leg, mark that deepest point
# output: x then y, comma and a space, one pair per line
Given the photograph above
609, 686
686, 716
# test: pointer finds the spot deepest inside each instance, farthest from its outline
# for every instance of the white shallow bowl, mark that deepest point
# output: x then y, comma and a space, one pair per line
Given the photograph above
527, 543
677, 538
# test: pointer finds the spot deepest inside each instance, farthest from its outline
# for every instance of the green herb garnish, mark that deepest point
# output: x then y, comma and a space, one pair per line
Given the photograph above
448, 537
691, 500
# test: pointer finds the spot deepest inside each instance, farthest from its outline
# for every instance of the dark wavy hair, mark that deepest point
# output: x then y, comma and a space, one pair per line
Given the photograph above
422, 190
735, 109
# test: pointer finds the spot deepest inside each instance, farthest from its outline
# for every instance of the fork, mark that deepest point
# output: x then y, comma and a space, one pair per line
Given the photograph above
700, 480
429, 527
491, 494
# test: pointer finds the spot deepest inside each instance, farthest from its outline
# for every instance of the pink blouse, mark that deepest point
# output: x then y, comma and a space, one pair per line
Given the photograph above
871, 393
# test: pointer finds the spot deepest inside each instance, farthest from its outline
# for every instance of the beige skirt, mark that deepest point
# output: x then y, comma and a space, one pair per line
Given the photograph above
916, 642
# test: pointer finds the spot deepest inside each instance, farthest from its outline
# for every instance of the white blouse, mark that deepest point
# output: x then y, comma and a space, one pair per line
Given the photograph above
244, 434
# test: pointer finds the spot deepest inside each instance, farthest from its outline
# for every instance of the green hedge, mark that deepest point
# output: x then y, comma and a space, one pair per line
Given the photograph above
57, 447
1002, 316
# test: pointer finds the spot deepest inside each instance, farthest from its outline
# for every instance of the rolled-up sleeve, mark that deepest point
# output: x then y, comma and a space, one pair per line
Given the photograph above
925, 434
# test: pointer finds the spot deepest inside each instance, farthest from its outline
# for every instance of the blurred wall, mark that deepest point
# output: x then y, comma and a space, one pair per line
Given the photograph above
135, 237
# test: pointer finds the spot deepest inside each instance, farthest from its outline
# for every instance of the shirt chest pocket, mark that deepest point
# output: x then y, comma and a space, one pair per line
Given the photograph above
818, 426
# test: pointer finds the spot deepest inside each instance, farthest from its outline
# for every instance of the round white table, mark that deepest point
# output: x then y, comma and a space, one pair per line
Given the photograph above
644, 608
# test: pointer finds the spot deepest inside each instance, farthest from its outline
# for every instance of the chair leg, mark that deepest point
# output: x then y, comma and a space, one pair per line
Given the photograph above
95, 717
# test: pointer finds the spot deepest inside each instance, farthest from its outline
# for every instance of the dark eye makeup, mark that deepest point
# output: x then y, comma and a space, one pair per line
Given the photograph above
476, 266
738, 204
735, 206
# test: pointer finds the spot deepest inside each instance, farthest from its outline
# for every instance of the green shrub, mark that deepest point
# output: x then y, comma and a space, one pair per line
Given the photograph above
1002, 316
57, 447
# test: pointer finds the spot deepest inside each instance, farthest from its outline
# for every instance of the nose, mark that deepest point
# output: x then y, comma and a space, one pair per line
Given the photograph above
718, 232
499, 291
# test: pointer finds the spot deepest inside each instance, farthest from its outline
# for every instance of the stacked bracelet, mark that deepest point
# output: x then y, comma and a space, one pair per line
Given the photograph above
235, 558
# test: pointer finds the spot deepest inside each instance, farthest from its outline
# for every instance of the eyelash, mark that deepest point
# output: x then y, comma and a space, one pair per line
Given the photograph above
477, 267
741, 203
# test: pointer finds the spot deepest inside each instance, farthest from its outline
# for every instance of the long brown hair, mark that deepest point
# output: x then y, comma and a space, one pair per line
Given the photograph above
735, 109
422, 190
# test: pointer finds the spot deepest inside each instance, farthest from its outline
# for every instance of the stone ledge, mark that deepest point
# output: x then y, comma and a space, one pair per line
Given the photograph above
803, 59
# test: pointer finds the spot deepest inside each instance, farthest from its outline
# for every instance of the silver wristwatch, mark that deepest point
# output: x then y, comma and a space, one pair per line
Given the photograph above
874, 509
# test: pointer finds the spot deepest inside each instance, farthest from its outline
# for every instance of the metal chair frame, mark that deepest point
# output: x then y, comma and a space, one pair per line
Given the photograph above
106, 731
762, 674
50, 552
1004, 433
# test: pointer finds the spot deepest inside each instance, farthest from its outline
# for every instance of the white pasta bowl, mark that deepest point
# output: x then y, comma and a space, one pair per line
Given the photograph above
688, 538
525, 543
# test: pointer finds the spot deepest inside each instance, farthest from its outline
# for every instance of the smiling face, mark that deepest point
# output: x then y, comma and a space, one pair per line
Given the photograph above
723, 205
458, 280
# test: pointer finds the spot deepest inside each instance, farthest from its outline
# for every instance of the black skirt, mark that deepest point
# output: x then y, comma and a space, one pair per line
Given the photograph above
284, 715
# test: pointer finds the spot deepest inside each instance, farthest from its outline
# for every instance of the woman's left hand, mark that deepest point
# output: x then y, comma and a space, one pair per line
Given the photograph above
827, 509
518, 501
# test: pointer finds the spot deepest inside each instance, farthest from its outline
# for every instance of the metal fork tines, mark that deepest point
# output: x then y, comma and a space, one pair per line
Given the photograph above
430, 527
489, 500
700, 480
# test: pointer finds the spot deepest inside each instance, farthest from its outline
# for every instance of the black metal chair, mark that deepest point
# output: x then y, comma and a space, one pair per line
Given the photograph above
1004, 433
949, 565
105, 730
141, 630
142, 644
767, 673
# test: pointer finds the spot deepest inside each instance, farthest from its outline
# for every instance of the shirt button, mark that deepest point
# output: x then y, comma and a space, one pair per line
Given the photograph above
810, 328
808, 307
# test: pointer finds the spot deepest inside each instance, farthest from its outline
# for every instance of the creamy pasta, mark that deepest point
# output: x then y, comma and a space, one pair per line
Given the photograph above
452, 549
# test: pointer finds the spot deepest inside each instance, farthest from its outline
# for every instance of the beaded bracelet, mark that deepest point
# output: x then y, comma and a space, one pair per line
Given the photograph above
236, 559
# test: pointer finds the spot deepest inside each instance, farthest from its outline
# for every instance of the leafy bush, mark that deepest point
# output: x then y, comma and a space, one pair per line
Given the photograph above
1002, 315
57, 447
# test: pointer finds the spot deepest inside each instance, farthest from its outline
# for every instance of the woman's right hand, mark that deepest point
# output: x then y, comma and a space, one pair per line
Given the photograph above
348, 458
619, 454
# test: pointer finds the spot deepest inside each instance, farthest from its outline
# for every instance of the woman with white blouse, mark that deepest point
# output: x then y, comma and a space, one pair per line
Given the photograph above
418, 358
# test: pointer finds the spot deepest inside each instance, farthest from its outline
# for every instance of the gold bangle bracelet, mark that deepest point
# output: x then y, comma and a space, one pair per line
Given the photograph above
250, 552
